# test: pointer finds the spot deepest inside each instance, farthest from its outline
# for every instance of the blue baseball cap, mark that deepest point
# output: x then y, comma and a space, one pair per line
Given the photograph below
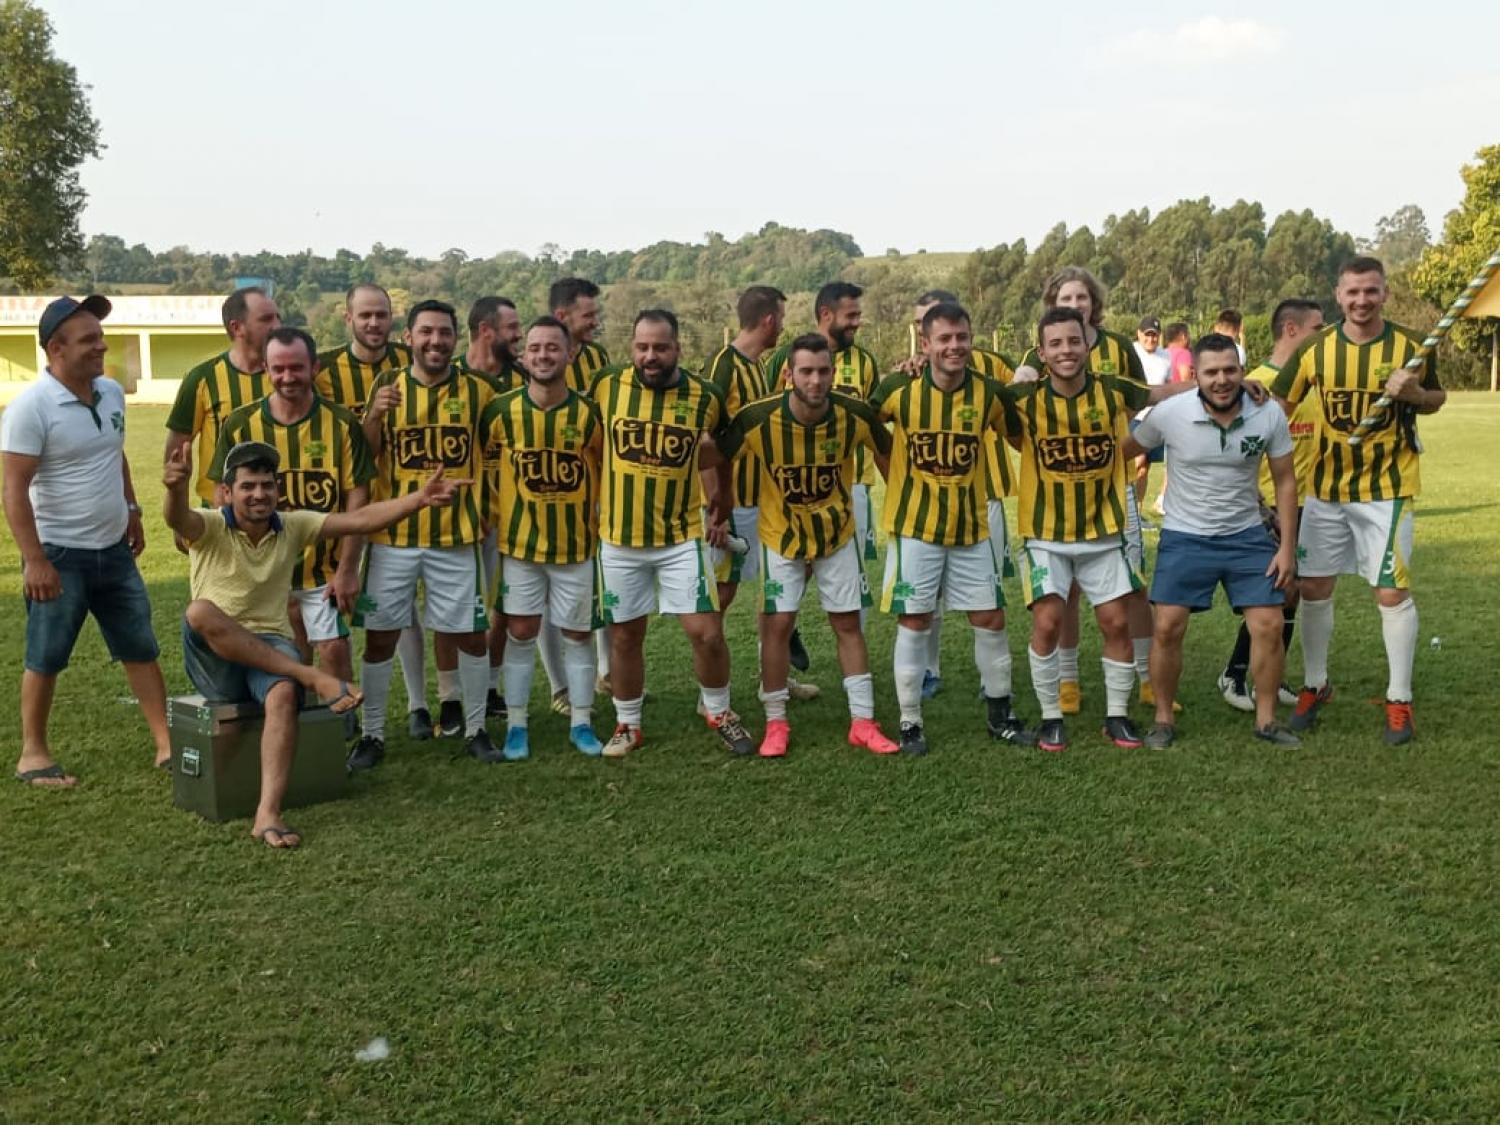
62, 308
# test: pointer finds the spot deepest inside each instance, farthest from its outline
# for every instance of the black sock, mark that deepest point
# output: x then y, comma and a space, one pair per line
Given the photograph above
1289, 623
1239, 660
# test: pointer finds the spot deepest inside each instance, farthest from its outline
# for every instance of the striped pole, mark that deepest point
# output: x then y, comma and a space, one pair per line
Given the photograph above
1454, 314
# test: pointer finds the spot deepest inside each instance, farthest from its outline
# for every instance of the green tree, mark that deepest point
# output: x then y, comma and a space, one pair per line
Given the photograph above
46, 132
1400, 237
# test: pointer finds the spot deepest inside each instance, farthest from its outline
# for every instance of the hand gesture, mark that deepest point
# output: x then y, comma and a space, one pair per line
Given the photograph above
41, 580
1026, 374
178, 469
437, 491
716, 531
386, 399
1283, 566
911, 366
1257, 391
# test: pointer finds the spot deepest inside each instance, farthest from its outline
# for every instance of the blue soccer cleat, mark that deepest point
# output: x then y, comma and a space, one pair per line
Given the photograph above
585, 740
517, 745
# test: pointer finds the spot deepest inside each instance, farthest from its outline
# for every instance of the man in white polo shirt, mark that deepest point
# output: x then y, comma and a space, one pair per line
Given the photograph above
72, 510
1213, 534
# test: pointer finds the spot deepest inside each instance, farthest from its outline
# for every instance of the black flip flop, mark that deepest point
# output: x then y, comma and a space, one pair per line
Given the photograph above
45, 773
345, 692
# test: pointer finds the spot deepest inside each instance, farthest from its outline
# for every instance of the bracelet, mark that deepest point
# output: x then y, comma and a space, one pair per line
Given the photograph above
133, 507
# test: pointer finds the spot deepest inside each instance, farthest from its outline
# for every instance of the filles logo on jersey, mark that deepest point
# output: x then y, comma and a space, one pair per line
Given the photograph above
641, 441
301, 488
942, 454
1076, 456
805, 485
426, 447
1344, 408
548, 472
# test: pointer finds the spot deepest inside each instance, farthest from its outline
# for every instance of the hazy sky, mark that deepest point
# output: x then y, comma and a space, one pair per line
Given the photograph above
492, 126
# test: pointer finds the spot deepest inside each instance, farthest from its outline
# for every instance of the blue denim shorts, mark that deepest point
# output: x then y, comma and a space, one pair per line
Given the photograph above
1190, 567
219, 681
107, 584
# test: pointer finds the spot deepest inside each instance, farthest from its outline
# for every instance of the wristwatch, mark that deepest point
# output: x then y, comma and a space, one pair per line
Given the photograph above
133, 507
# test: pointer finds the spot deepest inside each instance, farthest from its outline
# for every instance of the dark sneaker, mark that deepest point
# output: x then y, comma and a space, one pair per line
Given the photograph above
732, 733
494, 705
1277, 734
1400, 728
451, 719
419, 724
1121, 731
932, 684
1309, 702
366, 755
1160, 736
912, 739
1003, 723
1052, 736
798, 652
482, 748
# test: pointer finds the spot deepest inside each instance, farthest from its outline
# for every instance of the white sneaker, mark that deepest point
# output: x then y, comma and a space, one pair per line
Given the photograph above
802, 692
1286, 696
1236, 695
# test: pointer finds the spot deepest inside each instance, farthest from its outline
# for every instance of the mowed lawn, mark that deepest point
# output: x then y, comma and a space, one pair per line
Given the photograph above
1221, 930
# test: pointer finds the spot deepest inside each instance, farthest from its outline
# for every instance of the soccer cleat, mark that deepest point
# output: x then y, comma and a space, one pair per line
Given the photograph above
561, 703
1160, 736
1121, 731
419, 724
517, 746
867, 733
1148, 698
494, 705
585, 741
623, 741
1399, 725
1236, 693
1310, 701
1286, 696
366, 755
931, 684
479, 746
450, 719
1277, 734
1069, 697
732, 733
1003, 723
800, 691
351, 725
778, 733
797, 652
1052, 736
912, 739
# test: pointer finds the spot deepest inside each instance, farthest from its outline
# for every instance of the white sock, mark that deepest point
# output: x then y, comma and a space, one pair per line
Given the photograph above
715, 699
601, 648
474, 678
910, 660
628, 712
554, 663
375, 682
520, 663
992, 658
411, 651
578, 670
1142, 647
1044, 679
935, 645
1398, 624
1119, 682
775, 703
1317, 631
449, 685
861, 692
1067, 664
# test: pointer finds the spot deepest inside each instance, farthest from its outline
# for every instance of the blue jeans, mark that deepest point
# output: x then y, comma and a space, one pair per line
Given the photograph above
103, 582
220, 681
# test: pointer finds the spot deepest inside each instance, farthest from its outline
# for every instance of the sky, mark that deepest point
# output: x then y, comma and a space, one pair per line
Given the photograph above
502, 126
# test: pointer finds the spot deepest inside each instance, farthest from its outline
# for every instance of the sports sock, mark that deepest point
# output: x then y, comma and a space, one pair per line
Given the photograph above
992, 658
497, 671
1288, 625
1119, 682
411, 651
861, 692
1239, 660
474, 679
1044, 680
1141, 650
578, 668
520, 664
910, 660
1317, 632
449, 685
375, 682
775, 703
628, 712
554, 661
935, 645
715, 699
1067, 664
1398, 624
601, 650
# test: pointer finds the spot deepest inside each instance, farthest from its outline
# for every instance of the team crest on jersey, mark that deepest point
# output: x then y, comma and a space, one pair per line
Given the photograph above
1094, 415
1252, 446
301, 488
420, 448
547, 472
117, 420
830, 447
654, 445
1343, 409
805, 485
455, 407
1078, 455
570, 432
942, 454
1105, 367
967, 413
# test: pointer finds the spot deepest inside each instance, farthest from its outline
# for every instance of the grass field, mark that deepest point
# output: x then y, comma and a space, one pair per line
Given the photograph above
1216, 931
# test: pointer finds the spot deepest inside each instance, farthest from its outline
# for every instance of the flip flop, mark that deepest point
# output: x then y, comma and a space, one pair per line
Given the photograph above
346, 692
165, 765
45, 773
280, 834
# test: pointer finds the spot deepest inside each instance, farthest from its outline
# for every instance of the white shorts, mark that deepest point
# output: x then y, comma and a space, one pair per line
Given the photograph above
920, 576
489, 553
565, 591
1135, 542
637, 581
1371, 538
842, 585
451, 579
1000, 538
1101, 567
730, 567
864, 520
320, 615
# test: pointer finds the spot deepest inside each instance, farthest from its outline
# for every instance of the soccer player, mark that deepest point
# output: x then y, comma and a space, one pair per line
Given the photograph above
1358, 519
939, 550
575, 302
1230, 323
1216, 443
1294, 320
345, 374
802, 443
548, 440
325, 466
228, 381
658, 427
419, 418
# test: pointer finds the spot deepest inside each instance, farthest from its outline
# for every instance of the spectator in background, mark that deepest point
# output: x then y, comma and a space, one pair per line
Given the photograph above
1230, 323
1155, 360
1179, 353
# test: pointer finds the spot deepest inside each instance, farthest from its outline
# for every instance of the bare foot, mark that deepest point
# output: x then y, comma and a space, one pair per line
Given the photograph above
278, 836
340, 695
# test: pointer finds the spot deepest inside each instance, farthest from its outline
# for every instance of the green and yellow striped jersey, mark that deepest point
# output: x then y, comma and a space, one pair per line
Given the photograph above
855, 373
741, 380
999, 481
805, 508
935, 490
590, 360
344, 379
650, 494
510, 376
1303, 423
545, 510
1073, 477
209, 393
1346, 379
434, 425
1111, 355
324, 457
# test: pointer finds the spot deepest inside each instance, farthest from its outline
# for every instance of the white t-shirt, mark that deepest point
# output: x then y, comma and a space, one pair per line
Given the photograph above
1157, 364
1214, 469
78, 492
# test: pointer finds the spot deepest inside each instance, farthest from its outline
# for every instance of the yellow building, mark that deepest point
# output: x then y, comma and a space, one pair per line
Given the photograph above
153, 342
